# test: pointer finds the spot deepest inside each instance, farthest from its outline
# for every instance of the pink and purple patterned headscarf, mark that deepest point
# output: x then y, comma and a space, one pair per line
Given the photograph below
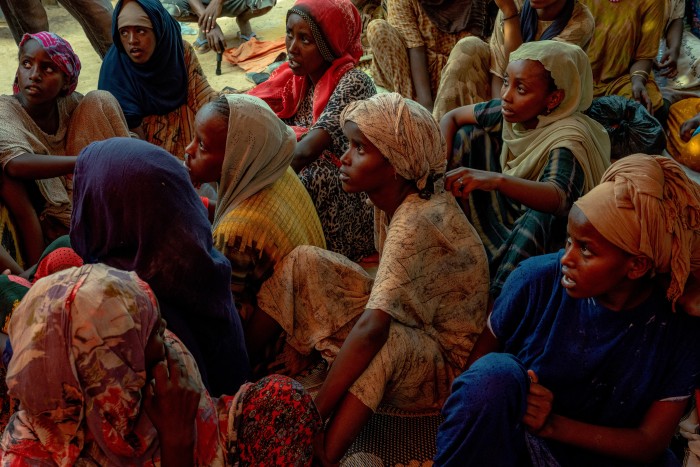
60, 52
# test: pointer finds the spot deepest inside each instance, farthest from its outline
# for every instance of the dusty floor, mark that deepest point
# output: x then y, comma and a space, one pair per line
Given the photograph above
268, 27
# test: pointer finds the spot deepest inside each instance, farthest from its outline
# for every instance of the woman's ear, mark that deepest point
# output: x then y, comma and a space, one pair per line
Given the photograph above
639, 266
555, 98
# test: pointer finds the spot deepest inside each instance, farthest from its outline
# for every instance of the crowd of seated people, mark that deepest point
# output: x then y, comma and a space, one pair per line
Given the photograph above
458, 237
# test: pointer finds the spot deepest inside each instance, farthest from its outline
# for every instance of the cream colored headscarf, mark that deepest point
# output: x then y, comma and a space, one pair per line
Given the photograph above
646, 205
404, 132
525, 152
132, 14
259, 148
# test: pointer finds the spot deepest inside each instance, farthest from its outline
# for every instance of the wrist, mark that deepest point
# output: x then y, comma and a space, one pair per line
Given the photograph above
509, 16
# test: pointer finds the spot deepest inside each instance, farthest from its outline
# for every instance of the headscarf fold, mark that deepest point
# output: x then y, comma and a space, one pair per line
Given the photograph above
453, 16
646, 205
525, 152
259, 148
404, 132
136, 210
338, 23
156, 87
61, 54
529, 19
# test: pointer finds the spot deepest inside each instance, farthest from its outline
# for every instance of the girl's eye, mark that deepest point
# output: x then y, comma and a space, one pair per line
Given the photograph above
26, 64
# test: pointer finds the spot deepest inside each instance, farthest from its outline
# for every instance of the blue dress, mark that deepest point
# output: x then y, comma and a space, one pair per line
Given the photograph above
603, 367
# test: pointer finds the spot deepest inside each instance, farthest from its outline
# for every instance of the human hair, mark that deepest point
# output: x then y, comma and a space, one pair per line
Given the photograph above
221, 107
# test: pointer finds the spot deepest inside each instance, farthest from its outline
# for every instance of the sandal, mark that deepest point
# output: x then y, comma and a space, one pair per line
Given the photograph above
201, 46
246, 38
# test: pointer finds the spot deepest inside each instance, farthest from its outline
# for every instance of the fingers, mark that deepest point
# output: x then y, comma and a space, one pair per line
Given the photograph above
533, 376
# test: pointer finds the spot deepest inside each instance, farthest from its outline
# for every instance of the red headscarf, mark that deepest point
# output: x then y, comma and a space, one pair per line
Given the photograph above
339, 26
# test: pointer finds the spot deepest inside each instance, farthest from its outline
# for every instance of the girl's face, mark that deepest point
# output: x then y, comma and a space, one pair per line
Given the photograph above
138, 42
526, 93
594, 267
39, 78
204, 156
364, 168
303, 55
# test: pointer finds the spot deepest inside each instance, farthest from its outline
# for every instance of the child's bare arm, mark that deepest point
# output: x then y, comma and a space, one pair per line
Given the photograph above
364, 341
642, 444
38, 166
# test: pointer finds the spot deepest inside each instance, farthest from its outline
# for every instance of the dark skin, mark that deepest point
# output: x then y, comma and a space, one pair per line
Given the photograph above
363, 169
418, 62
525, 96
547, 10
41, 83
305, 60
171, 402
587, 254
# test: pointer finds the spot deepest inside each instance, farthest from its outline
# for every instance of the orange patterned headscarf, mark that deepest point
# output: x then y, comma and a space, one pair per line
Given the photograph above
646, 205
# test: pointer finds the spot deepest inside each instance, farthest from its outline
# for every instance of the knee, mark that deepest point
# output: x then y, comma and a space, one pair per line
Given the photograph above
491, 379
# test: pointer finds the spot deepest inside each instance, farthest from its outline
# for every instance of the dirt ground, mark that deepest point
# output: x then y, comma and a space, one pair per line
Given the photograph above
268, 27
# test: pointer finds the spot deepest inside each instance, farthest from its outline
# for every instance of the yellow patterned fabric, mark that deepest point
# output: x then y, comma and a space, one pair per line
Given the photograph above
687, 153
174, 131
263, 229
633, 33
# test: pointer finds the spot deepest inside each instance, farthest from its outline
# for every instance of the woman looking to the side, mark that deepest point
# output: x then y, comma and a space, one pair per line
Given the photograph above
154, 74
309, 92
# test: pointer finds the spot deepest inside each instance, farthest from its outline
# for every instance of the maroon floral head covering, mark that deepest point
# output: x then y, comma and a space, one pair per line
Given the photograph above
60, 52
274, 419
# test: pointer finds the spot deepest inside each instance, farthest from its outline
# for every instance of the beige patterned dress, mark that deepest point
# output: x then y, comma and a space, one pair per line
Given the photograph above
433, 281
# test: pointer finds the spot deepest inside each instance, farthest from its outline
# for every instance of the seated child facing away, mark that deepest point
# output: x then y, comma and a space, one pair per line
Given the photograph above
593, 367
401, 338
42, 119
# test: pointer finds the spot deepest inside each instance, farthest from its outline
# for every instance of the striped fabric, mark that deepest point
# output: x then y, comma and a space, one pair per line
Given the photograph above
264, 229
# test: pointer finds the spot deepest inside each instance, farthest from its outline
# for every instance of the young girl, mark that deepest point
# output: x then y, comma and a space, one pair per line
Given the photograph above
309, 92
262, 211
155, 75
401, 338
527, 157
597, 368
45, 118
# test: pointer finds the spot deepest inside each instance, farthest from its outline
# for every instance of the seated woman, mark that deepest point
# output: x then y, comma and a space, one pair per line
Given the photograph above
596, 368
308, 92
677, 65
401, 338
136, 210
624, 46
520, 162
474, 70
155, 75
118, 389
410, 47
206, 12
42, 119
262, 211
